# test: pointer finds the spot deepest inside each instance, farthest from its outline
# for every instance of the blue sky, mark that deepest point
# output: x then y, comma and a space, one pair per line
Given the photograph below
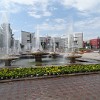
54, 17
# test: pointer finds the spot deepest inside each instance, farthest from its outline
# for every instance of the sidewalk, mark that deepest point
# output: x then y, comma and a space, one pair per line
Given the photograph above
83, 87
92, 55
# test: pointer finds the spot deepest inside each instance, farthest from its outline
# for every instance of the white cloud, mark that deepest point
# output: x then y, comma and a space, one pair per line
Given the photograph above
54, 25
47, 13
89, 23
86, 5
36, 8
40, 9
37, 13
81, 5
53, 8
67, 3
90, 27
21, 2
59, 20
9, 6
34, 14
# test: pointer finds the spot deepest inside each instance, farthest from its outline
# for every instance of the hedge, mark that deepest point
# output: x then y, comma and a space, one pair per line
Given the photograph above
13, 73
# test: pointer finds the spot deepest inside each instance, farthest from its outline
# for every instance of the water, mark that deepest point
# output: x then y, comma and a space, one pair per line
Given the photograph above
47, 62
7, 35
37, 42
4, 27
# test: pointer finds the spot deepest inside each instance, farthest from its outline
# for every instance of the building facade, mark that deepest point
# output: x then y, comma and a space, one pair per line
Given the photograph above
95, 43
70, 42
27, 40
6, 36
49, 43
78, 40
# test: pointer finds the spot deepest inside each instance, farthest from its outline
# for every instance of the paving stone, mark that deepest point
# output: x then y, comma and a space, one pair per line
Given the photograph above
83, 87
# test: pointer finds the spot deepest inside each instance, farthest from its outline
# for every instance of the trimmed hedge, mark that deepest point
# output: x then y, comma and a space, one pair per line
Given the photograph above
7, 73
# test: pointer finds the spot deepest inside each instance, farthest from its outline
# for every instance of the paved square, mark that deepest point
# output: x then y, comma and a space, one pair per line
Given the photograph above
84, 87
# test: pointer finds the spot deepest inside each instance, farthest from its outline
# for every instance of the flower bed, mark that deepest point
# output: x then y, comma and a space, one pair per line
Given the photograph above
7, 73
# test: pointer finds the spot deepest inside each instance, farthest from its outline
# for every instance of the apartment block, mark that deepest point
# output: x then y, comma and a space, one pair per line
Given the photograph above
27, 40
95, 43
78, 38
6, 36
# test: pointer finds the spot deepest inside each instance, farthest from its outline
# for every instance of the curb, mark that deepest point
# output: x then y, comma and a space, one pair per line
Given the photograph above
45, 77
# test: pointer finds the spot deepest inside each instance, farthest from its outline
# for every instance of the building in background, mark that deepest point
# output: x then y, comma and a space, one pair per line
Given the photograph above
17, 46
27, 40
78, 38
95, 43
49, 43
1, 39
6, 36
63, 44
70, 42
86, 44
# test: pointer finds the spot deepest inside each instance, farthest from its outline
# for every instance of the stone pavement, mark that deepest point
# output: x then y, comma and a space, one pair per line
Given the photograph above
91, 55
83, 87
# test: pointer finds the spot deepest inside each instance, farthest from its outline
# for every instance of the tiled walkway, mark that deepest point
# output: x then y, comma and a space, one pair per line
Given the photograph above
86, 87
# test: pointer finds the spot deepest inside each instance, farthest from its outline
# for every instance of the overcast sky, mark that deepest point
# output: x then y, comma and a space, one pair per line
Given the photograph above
55, 17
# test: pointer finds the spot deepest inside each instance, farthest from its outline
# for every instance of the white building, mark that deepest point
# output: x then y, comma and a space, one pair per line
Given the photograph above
27, 40
6, 36
70, 42
17, 46
63, 44
1, 39
60, 44
79, 39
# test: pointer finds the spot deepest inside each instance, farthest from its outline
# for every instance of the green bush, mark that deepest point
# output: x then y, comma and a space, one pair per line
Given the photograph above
7, 73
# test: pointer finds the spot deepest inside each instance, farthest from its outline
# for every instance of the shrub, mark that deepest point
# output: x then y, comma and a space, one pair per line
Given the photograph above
7, 73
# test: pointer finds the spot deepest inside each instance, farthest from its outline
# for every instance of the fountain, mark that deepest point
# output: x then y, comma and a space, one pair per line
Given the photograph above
53, 53
7, 57
16, 48
72, 55
37, 50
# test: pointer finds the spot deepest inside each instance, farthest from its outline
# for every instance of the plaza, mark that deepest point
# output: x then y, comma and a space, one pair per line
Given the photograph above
49, 50
84, 87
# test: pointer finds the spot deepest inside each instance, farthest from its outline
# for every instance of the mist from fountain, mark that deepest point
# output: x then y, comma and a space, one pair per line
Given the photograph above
54, 52
37, 47
71, 55
70, 34
5, 31
19, 48
16, 48
50, 45
54, 48
69, 37
37, 50
7, 56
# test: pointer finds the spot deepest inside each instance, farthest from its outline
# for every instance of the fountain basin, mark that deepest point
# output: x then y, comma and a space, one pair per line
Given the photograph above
53, 54
38, 55
72, 58
8, 59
